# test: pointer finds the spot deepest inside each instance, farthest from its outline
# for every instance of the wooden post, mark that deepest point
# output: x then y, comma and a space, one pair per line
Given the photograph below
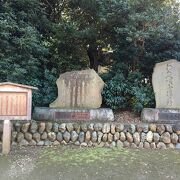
6, 137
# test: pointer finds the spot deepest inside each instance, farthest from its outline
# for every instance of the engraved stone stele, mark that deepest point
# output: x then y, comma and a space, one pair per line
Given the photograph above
166, 84
79, 89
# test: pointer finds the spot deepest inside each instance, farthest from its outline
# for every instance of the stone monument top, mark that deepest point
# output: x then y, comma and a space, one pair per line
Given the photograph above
79, 89
166, 84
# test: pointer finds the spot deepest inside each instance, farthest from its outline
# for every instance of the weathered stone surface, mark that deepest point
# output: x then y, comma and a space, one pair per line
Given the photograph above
142, 127
122, 136
161, 145
133, 145
116, 136
59, 136
84, 127
170, 146
98, 127
28, 136
23, 142
174, 138
126, 144
62, 127
40, 143
165, 137
81, 137
100, 135
152, 127
160, 129
94, 136
110, 137
20, 137
44, 135
74, 136
156, 137
33, 127
84, 144
113, 130
49, 126
105, 137
66, 136
52, 136
176, 128
153, 145
42, 126
168, 128
88, 136
119, 127
69, 127
32, 142
141, 145
55, 127
129, 137
136, 138
76, 127
56, 143
149, 136
14, 135
79, 89
37, 137
91, 127
47, 143
146, 145
119, 144
106, 128
166, 84
143, 136
25, 127
132, 128
17, 126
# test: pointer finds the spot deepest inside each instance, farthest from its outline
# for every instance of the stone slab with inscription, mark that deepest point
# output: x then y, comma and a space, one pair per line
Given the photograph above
166, 84
168, 116
57, 114
79, 89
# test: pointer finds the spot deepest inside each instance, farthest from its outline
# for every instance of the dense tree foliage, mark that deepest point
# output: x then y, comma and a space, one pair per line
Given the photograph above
40, 39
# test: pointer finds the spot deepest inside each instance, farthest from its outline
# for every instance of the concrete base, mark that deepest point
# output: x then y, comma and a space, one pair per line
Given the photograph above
167, 116
6, 145
56, 114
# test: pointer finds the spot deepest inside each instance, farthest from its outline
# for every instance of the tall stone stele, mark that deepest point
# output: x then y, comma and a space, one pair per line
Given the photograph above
166, 84
79, 89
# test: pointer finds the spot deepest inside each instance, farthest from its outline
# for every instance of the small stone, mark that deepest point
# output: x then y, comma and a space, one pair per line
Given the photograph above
64, 143
156, 137
143, 137
14, 135
17, 126
90, 144
165, 137
77, 143
126, 144
136, 138
49, 126
146, 145
119, 144
74, 136
14, 143
129, 137
113, 128
40, 143
100, 135
94, 136
101, 144
170, 146
110, 137
178, 146
33, 127
141, 145
83, 144
153, 145
104, 138
81, 137
133, 145
42, 127
66, 136
106, 128
132, 128
56, 143
176, 128
44, 136
160, 129
106, 144
142, 127
113, 144
59, 136
168, 128
69, 127
116, 136
174, 138
98, 127
91, 127
122, 136
62, 127
119, 127
149, 136
20, 137
84, 127
32, 143
161, 145
23, 142
152, 127
55, 127
88, 136
28, 136
52, 136
47, 143
76, 127
25, 127
36, 136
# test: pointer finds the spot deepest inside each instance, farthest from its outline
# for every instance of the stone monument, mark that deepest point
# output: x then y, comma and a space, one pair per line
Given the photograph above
166, 85
79, 98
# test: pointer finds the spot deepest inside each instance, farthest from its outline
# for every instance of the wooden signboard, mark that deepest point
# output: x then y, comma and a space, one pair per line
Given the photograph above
15, 104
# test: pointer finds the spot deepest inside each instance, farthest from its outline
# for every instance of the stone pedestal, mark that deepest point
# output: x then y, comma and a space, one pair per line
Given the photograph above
6, 137
168, 116
56, 114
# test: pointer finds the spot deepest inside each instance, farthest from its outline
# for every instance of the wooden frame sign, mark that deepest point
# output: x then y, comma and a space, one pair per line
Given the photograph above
15, 101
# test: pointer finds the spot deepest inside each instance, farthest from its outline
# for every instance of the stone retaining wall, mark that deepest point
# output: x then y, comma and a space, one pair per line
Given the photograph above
96, 134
